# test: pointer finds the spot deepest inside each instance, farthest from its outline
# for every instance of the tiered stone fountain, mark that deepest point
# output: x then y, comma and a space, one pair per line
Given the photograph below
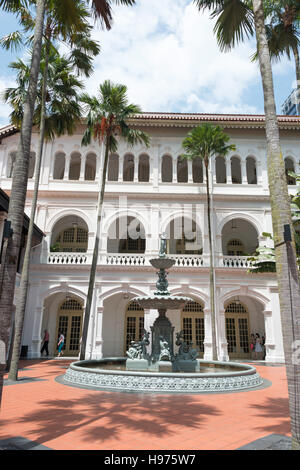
160, 369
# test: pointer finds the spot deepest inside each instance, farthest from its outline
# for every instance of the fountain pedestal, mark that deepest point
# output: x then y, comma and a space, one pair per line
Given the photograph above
162, 345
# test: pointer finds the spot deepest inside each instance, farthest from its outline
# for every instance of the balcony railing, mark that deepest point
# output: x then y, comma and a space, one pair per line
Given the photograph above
236, 262
68, 258
140, 260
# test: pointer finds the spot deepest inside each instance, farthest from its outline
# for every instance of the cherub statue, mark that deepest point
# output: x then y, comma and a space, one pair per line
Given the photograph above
165, 354
185, 351
163, 245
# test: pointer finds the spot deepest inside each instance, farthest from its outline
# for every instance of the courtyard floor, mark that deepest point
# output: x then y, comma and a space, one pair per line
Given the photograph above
61, 417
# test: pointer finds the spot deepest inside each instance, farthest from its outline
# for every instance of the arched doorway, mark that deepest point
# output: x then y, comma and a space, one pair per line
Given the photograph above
192, 325
237, 330
69, 323
134, 324
70, 234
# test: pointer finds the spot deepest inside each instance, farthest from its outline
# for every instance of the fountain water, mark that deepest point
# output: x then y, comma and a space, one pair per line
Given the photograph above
161, 370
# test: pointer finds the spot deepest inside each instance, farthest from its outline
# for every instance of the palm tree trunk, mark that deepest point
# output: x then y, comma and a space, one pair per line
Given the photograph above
285, 253
95, 257
297, 67
23, 289
19, 188
211, 269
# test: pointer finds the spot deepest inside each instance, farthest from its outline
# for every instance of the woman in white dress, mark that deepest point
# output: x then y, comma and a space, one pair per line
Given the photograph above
258, 348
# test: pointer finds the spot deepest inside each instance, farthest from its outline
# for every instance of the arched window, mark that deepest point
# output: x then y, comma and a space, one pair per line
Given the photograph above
72, 239
69, 323
134, 324
237, 330
251, 170
126, 235
197, 170
128, 168
235, 248
192, 325
289, 166
167, 169
90, 167
113, 167
182, 170
74, 171
236, 175
59, 166
143, 169
184, 237
220, 170
239, 238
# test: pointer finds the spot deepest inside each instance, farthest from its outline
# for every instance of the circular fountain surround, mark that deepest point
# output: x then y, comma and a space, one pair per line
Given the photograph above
106, 374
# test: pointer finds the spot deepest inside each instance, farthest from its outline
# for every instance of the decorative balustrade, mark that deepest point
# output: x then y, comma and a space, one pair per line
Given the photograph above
126, 260
187, 261
67, 258
139, 260
236, 262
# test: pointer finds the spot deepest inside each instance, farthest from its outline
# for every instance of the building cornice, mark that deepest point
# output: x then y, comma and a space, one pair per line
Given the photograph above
164, 119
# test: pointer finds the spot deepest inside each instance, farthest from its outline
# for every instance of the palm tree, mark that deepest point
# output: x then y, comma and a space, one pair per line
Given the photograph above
64, 10
205, 142
283, 35
106, 122
18, 190
235, 21
62, 112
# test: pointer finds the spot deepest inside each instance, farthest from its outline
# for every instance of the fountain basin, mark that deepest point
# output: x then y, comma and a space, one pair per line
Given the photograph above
161, 302
162, 263
214, 376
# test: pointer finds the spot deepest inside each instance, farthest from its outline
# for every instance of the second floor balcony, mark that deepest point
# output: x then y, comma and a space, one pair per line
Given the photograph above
127, 245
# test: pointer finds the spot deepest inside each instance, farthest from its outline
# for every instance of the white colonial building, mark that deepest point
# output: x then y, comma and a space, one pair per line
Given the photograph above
150, 191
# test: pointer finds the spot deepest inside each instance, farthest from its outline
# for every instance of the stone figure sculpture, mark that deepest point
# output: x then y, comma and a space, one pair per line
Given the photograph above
163, 245
138, 349
185, 351
165, 354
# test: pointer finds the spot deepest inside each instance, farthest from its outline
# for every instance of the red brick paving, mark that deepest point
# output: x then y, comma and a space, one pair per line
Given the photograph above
67, 418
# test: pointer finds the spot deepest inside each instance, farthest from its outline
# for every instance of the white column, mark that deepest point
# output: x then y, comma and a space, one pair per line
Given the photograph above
98, 353
228, 170
208, 335
174, 179
223, 354
244, 172
67, 166
155, 168
36, 333
190, 171
121, 164
136, 169
270, 341
82, 167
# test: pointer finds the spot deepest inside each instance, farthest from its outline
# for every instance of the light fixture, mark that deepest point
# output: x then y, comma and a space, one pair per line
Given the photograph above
237, 300
126, 295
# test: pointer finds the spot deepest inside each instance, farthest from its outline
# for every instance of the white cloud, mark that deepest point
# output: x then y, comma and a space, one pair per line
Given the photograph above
168, 57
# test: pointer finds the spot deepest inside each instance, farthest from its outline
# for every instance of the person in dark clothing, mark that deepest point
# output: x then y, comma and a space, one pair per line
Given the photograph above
45, 343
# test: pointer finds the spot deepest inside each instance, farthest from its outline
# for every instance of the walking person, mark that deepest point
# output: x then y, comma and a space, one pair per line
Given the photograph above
258, 349
60, 344
45, 343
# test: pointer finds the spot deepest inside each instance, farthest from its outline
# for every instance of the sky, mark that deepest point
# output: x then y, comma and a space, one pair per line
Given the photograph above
166, 53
